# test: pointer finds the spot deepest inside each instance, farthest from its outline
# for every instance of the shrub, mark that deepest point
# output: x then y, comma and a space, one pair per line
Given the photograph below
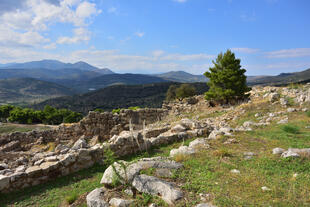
222, 153
290, 129
99, 110
227, 80
116, 111
308, 113
171, 94
185, 90
71, 198
134, 108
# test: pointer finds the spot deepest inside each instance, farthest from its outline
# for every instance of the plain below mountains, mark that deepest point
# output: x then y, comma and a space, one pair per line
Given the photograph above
29, 90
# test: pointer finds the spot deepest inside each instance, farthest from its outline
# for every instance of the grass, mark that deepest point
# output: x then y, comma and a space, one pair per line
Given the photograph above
208, 172
71, 198
57, 192
290, 129
9, 128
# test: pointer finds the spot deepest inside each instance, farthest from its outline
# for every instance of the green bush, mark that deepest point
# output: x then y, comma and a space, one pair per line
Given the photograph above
116, 111
185, 90
5, 111
171, 93
134, 108
99, 110
49, 115
308, 113
290, 129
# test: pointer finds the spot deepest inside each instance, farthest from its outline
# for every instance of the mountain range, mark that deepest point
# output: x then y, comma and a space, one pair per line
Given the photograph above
82, 77
282, 79
39, 80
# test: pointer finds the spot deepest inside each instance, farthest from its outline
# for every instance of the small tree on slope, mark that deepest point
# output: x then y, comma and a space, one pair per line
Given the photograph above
227, 80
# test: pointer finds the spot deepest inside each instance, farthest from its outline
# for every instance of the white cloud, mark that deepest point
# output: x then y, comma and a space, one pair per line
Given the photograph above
112, 10
191, 57
86, 9
25, 24
50, 46
156, 62
289, 53
245, 50
139, 34
158, 53
11, 38
80, 35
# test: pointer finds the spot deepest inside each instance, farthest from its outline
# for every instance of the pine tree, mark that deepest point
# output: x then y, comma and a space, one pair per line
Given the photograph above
227, 80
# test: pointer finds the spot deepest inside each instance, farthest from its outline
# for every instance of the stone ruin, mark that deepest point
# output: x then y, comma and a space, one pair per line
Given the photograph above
31, 158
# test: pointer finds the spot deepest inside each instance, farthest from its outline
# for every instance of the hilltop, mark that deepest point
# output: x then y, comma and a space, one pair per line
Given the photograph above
282, 79
182, 77
30, 90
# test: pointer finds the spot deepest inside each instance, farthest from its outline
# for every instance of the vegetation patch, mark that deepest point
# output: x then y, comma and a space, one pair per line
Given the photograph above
289, 128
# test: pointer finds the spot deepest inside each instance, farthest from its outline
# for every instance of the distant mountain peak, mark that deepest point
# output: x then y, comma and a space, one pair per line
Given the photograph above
56, 65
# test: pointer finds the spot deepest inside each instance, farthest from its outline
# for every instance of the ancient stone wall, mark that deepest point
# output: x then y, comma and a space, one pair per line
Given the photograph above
64, 160
23, 161
104, 125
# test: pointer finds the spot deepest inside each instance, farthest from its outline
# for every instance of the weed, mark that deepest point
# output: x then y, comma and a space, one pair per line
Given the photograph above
71, 198
146, 198
116, 111
289, 128
181, 157
148, 171
222, 152
294, 86
115, 180
134, 108
290, 101
51, 146
109, 156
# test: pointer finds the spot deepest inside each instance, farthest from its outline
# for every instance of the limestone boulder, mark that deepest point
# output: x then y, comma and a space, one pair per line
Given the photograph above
79, 144
127, 171
178, 128
199, 143
277, 151
95, 198
118, 202
154, 186
273, 97
4, 182
183, 150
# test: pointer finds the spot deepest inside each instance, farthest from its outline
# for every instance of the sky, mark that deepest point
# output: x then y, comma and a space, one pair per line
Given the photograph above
156, 36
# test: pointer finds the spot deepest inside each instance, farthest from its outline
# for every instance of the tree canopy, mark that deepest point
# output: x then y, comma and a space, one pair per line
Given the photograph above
183, 91
49, 115
227, 80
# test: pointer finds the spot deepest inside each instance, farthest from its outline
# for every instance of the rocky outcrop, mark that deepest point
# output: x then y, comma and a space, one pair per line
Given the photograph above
127, 171
129, 174
291, 152
157, 187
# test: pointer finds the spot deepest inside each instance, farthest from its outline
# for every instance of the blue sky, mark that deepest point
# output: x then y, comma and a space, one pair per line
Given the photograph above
154, 36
